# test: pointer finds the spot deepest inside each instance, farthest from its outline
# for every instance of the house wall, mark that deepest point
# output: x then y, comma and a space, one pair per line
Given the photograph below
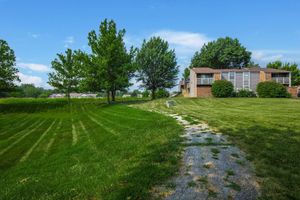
185, 93
238, 83
268, 76
204, 91
193, 84
224, 76
262, 76
254, 80
239, 80
217, 76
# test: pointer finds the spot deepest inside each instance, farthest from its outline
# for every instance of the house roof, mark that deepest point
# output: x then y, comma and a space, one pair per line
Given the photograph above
208, 70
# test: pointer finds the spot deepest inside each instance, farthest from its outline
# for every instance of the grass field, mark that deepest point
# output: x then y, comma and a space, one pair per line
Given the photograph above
88, 150
268, 130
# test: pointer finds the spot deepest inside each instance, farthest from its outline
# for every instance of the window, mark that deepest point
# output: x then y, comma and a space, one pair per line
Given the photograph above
224, 76
205, 79
231, 77
205, 75
246, 80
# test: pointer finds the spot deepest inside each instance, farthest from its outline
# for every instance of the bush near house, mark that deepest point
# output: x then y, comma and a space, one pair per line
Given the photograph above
271, 89
162, 93
245, 93
222, 88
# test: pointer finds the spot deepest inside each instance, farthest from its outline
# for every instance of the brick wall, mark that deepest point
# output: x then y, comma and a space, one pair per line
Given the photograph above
293, 91
204, 91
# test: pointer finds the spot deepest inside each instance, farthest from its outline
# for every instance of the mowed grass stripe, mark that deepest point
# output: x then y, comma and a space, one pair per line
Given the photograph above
51, 141
123, 115
21, 138
27, 154
107, 129
12, 123
27, 131
93, 146
111, 123
74, 134
17, 130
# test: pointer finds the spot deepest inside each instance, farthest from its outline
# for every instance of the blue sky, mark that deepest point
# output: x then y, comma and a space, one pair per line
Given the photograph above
37, 30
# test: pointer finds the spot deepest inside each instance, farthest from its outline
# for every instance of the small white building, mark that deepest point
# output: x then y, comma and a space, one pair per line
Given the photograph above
57, 95
74, 95
82, 95
126, 95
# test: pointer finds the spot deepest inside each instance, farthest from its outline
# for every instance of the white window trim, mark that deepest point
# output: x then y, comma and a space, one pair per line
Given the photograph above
234, 79
249, 79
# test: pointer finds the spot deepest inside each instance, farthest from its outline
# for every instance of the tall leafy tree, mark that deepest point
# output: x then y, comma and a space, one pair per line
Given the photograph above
8, 73
109, 66
221, 54
253, 64
186, 73
292, 67
67, 72
157, 65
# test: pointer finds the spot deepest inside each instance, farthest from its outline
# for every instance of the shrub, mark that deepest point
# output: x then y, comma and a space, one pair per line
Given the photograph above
162, 93
222, 88
271, 89
245, 93
146, 93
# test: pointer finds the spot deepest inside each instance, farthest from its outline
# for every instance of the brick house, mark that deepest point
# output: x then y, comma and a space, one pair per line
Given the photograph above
201, 79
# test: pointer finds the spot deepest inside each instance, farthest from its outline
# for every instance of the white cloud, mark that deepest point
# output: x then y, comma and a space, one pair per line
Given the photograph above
269, 55
187, 39
185, 43
265, 57
36, 80
34, 35
69, 41
34, 67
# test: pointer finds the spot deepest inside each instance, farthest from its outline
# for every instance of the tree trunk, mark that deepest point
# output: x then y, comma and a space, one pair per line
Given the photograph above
108, 100
68, 96
152, 94
113, 93
113, 96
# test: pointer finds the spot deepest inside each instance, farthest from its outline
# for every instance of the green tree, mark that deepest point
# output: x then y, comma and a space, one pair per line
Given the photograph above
8, 73
67, 74
135, 93
292, 67
146, 93
252, 64
157, 66
29, 90
221, 54
110, 66
186, 73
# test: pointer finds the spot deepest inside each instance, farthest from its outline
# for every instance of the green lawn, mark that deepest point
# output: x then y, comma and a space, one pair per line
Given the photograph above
88, 150
268, 130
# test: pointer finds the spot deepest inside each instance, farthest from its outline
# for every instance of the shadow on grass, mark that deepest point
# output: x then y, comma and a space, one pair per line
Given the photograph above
153, 168
276, 157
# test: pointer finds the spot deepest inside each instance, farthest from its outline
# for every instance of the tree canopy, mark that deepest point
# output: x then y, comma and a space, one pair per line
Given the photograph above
221, 54
8, 73
157, 65
110, 66
186, 73
292, 67
67, 74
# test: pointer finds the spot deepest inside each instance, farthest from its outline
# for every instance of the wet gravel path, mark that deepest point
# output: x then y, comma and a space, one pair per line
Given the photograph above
212, 168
